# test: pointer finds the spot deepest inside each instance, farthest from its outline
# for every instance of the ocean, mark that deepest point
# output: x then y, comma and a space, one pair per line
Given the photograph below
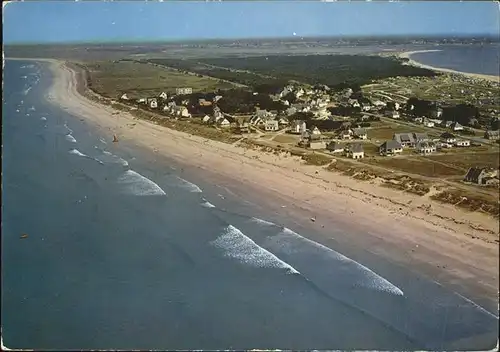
126, 249
480, 59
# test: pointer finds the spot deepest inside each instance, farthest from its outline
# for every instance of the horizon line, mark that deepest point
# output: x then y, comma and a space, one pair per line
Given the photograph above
295, 38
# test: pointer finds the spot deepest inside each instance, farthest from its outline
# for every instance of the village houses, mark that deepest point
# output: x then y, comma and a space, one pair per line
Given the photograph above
184, 91
462, 143
298, 127
359, 133
448, 138
335, 147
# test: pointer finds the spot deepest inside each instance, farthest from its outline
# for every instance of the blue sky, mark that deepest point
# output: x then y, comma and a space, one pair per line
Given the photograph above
69, 21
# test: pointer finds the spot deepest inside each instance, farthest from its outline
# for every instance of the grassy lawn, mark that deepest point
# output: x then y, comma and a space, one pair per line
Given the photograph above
286, 138
114, 78
415, 166
465, 161
387, 131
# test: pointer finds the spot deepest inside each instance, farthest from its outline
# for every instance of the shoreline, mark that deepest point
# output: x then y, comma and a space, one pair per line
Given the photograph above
408, 54
392, 222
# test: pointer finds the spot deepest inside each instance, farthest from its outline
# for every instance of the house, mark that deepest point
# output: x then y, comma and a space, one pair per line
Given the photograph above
203, 102
446, 124
392, 114
335, 147
256, 120
425, 147
492, 135
448, 138
345, 133
428, 123
462, 143
354, 103
455, 126
359, 133
316, 144
206, 119
153, 103
315, 131
405, 139
224, 122
271, 125
379, 104
163, 95
283, 122
124, 97
421, 137
481, 175
390, 148
298, 126
365, 107
418, 119
217, 98
244, 127
355, 151
437, 112
183, 91
142, 101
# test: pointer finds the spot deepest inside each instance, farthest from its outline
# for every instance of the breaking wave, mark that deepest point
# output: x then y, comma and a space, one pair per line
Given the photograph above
77, 152
263, 222
238, 246
191, 187
136, 184
207, 204
292, 243
43, 118
70, 138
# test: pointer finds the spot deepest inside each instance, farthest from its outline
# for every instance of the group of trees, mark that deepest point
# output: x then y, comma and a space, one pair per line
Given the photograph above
464, 114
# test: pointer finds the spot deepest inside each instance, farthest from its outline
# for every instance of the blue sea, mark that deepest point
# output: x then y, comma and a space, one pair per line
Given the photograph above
481, 59
129, 250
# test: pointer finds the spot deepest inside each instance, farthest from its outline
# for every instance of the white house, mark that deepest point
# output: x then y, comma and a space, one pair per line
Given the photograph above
141, 101
335, 147
223, 122
271, 125
298, 127
448, 138
360, 133
355, 151
462, 143
392, 114
396, 106
315, 131
391, 147
124, 97
428, 123
283, 122
455, 126
163, 95
153, 103
418, 119
206, 119
425, 147
183, 91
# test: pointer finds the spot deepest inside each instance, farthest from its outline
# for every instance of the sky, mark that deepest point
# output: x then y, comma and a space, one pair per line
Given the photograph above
102, 21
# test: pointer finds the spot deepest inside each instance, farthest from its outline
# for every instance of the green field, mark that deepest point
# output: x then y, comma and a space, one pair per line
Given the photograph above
112, 79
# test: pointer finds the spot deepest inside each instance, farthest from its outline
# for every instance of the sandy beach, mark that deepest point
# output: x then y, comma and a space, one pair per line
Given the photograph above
408, 54
451, 246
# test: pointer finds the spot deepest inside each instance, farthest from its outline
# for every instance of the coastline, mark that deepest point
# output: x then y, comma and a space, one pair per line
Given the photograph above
408, 54
393, 222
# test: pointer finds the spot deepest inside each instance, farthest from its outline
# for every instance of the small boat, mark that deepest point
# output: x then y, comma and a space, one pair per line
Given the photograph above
23, 236
115, 139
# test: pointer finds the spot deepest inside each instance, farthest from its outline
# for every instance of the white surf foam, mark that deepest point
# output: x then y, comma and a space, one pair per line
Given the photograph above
263, 222
69, 129
102, 141
207, 204
369, 279
238, 246
43, 118
113, 158
70, 138
136, 184
189, 186
26, 91
77, 152
32, 108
